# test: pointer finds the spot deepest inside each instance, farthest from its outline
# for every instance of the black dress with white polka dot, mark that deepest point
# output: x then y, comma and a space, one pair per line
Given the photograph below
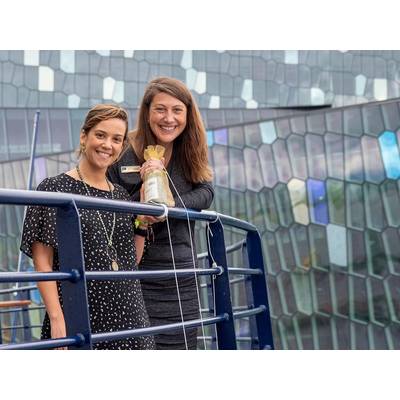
113, 305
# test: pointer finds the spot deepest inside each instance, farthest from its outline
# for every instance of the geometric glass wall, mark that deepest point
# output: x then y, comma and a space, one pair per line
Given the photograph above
323, 190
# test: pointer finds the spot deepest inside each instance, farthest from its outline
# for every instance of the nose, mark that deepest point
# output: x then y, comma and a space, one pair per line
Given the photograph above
107, 143
169, 116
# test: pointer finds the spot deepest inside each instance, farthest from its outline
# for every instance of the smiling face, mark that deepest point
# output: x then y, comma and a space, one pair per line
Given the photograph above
167, 118
104, 142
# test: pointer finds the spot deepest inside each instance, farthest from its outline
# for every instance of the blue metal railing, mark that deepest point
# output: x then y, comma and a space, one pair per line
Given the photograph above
73, 277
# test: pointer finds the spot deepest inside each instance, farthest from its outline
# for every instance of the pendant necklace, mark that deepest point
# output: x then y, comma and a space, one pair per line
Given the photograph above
111, 251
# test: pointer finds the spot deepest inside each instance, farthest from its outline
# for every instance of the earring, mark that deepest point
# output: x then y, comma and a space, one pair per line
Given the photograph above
82, 147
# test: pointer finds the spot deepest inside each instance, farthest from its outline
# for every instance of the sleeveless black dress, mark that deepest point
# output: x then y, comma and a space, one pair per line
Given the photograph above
113, 305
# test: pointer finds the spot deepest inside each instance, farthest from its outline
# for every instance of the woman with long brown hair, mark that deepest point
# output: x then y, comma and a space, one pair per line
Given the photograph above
169, 117
108, 239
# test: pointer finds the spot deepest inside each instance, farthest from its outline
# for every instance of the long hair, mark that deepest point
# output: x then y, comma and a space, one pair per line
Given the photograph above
190, 146
103, 112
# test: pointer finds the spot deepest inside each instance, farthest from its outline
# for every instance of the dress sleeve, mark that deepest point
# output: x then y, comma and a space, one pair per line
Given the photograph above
199, 198
40, 223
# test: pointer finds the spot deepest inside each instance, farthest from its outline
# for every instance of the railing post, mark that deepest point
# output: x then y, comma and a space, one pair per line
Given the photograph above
70, 251
249, 299
260, 292
226, 337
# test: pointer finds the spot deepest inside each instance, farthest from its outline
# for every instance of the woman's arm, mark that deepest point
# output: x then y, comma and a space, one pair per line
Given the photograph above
42, 256
199, 198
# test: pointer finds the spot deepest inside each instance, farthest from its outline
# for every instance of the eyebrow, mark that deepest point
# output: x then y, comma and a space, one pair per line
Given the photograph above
115, 134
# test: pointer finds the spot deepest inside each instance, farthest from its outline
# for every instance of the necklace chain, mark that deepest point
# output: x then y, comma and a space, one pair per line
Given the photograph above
109, 238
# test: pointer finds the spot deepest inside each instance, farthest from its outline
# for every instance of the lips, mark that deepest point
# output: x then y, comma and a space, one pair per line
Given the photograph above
103, 155
168, 129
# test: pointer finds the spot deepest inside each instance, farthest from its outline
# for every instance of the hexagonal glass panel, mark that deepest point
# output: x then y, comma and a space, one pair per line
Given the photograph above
283, 204
236, 171
298, 198
268, 132
316, 156
268, 167
317, 200
335, 155
354, 170
375, 216
373, 164
337, 244
336, 204
391, 202
390, 154
354, 206
297, 153
376, 255
281, 159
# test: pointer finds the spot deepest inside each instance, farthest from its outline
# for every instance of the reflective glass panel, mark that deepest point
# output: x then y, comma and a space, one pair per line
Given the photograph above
354, 165
298, 198
373, 207
283, 204
335, 155
297, 153
236, 169
390, 154
355, 206
336, 204
376, 255
281, 158
316, 156
317, 201
372, 118
268, 166
373, 165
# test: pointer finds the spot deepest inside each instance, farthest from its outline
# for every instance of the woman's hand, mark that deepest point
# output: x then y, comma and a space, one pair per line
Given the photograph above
149, 219
151, 165
58, 330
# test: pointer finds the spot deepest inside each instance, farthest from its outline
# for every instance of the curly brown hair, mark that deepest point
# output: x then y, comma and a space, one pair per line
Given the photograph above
191, 144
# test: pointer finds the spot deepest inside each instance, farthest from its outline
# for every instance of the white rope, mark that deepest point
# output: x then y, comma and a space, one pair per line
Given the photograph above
214, 265
193, 259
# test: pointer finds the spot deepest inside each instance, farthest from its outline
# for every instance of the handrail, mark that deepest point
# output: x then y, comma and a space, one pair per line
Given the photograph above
73, 276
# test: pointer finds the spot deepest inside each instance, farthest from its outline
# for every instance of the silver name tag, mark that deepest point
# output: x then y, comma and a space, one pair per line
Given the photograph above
130, 168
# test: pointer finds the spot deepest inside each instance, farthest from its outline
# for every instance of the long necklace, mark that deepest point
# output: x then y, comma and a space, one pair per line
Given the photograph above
111, 251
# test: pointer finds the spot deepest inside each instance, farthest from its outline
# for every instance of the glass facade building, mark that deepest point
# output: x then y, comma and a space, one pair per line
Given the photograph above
321, 185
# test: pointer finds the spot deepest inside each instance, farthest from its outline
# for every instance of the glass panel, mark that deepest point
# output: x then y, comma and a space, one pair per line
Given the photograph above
221, 166
391, 240
318, 246
236, 136
355, 206
316, 156
391, 116
360, 336
238, 205
252, 170
352, 121
283, 204
324, 332
335, 155
341, 293
267, 166
222, 201
3, 138
322, 291
252, 135
374, 171
380, 306
335, 190
281, 159
376, 256
379, 337
254, 210
221, 136
210, 138
18, 138
301, 247
298, 125
60, 131
274, 296
282, 128
317, 200
357, 253
269, 209
287, 333
288, 299
297, 155
393, 284
354, 165
285, 249
390, 153
316, 123
268, 132
337, 240
334, 122
373, 207
236, 171
303, 292
298, 198
391, 203
343, 333
77, 118
273, 262
306, 332
372, 118
359, 299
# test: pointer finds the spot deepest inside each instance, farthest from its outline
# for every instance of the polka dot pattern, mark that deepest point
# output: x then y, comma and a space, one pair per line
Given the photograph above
113, 305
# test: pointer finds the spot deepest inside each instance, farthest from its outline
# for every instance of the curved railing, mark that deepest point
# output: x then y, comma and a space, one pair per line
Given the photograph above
73, 277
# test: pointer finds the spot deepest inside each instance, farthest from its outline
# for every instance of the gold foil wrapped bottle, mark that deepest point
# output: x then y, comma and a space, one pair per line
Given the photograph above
156, 187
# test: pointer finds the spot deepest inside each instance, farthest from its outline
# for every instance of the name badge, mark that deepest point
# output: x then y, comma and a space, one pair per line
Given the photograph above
127, 169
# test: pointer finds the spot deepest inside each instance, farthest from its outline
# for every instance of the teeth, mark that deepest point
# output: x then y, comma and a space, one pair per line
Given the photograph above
168, 128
